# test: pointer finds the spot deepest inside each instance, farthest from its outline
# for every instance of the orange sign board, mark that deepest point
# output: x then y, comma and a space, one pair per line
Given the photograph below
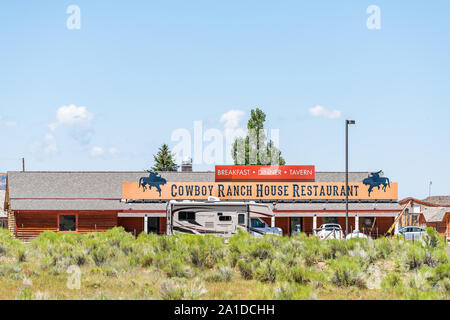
257, 191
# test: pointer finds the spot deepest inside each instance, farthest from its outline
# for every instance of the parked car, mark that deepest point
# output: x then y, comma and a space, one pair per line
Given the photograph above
329, 231
412, 232
357, 234
259, 228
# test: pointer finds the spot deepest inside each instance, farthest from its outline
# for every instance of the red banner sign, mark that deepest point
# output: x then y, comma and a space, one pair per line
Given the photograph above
272, 173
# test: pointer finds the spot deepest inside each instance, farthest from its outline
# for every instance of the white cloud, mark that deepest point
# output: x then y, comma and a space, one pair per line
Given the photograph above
97, 151
72, 116
78, 119
319, 111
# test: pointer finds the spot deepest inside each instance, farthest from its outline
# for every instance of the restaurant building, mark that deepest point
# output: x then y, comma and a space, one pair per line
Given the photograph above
97, 201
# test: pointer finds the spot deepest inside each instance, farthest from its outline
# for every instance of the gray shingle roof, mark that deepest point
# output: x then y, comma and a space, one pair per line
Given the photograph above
434, 214
439, 200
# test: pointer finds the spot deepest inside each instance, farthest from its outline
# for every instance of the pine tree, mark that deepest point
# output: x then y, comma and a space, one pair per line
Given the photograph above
164, 160
255, 147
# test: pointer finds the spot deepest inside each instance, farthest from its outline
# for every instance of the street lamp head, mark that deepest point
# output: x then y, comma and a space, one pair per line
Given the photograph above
350, 121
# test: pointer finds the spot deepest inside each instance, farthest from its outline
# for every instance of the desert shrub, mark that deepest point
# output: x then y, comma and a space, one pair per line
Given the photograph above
413, 257
21, 255
246, 269
334, 248
384, 248
173, 289
99, 256
347, 272
433, 239
392, 280
109, 271
8, 271
222, 274
176, 268
3, 249
299, 274
146, 260
204, 252
268, 271
261, 250
440, 273
290, 291
78, 257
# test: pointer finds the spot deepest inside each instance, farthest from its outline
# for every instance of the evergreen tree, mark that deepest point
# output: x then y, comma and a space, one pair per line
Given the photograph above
164, 160
254, 148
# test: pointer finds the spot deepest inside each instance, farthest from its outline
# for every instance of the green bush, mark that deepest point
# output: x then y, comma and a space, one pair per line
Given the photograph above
347, 272
290, 291
299, 275
392, 280
246, 268
268, 271
222, 274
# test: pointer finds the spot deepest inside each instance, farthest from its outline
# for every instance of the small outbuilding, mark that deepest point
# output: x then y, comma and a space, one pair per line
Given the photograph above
431, 212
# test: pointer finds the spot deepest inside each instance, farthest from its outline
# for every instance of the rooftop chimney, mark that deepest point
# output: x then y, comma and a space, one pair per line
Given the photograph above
186, 165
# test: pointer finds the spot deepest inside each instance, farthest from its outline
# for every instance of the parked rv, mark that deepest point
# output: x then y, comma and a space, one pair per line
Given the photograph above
329, 231
220, 218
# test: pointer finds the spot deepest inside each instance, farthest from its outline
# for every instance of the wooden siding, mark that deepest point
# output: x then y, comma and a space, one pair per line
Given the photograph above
93, 222
29, 225
162, 225
282, 223
134, 225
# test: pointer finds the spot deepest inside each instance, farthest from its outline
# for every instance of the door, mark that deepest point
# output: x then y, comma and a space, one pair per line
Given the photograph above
153, 225
295, 225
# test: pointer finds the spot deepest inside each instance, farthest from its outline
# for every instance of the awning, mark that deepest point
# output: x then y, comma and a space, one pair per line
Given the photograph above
141, 214
336, 214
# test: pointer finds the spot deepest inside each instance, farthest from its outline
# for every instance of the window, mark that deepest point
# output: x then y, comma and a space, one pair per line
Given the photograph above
326, 220
67, 223
368, 224
256, 223
186, 216
241, 218
224, 218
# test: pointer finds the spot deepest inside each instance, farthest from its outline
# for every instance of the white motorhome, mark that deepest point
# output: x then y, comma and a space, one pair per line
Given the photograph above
220, 218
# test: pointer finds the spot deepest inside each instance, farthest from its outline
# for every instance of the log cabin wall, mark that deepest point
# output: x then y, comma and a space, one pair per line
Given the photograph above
96, 221
134, 225
29, 225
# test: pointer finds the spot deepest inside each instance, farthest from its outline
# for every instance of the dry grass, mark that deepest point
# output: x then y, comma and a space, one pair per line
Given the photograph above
114, 265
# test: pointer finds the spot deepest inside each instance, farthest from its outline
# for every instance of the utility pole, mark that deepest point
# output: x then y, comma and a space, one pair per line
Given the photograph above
429, 189
347, 122
23, 164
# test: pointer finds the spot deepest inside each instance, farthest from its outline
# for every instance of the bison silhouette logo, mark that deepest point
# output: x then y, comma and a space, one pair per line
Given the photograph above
153, 180
374, 180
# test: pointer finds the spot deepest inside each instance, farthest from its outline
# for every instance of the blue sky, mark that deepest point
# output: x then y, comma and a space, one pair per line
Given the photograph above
142, 69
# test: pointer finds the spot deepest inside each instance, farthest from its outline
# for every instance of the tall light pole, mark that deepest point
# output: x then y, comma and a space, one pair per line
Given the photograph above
347, 122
